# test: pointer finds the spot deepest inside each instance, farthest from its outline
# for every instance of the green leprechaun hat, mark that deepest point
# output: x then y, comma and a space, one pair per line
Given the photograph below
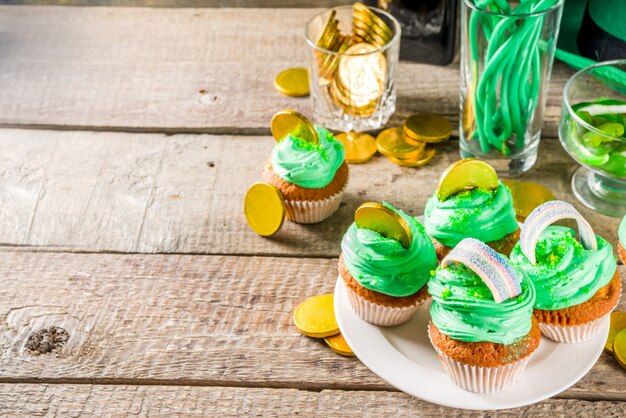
592, 31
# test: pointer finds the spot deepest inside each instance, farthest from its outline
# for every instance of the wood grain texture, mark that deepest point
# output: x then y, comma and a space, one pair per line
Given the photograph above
127, 400
179, 70
103, 191
187, 320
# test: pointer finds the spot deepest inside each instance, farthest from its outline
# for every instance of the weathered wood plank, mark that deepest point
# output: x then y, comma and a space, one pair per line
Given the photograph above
86, 191
91, 400
182, 3
199, 320
178, 70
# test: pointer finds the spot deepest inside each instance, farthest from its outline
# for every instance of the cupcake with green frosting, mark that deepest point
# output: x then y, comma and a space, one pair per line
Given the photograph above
576, 280
310, 176
385, 274
475, 207
621, 233
482, 325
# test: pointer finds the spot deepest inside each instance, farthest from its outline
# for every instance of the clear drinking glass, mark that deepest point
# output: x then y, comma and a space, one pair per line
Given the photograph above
352, 89
592, 131
506, 60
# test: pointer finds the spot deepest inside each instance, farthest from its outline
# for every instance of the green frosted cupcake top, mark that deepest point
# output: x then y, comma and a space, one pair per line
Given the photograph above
464, 308
566, 274
383, 265
311, 166
487, 215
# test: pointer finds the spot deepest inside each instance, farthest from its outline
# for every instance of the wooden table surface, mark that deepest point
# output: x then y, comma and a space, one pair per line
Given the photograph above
128, 138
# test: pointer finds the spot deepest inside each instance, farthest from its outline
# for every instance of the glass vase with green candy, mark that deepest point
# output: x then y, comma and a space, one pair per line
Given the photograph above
507, 51
592, 130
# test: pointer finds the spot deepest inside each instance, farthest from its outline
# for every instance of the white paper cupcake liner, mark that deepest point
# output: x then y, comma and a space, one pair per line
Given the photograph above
479, 379
385, 316
312, 211
573, 333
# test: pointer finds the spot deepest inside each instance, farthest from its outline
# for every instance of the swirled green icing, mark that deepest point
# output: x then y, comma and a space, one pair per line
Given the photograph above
622, 232
311, 166
383, 265
566, 274
487, 215
463, 307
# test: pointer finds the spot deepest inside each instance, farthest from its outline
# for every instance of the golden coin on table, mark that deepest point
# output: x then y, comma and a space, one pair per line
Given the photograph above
426, 127
466, 174
392, 143
339, 345
315, 317
618, 323
418, 160
527, 196
287, 122
379, 218
264, 208
619, 348
359, 147
293, 82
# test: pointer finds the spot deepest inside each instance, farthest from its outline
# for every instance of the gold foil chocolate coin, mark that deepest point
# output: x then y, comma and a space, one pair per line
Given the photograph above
619, 348
618, 323
466, 174
379, 218
293, 82
339, 345
360, 147
315, 317
426, 127
527, 196
291, 122
362, 74
392, 143
416, 161
264, 208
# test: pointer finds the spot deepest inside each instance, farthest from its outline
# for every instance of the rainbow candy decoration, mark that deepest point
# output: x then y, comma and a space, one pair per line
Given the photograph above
493, 268
545, 215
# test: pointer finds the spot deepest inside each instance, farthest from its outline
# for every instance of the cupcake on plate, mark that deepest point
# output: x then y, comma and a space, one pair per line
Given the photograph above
308, 167
622, 240
385, 262
470, 202
482, 325
576, 281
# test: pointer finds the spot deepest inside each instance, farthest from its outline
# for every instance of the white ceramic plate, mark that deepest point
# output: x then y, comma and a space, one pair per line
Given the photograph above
404, 357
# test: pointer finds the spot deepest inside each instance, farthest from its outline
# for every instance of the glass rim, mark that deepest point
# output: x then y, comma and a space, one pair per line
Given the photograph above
568, 106
471, 5
392, 41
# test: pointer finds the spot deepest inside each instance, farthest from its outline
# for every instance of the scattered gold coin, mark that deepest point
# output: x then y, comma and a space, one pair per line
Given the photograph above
293, 82
618, 323
360, 147
416, 161
379, 218
392, 143
339, 345
315, 317
619, 348
426, 127
527, 196
291, 122
264, 208
466, 174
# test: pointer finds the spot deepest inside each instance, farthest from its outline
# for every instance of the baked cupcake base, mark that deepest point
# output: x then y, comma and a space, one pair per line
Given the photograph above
309, 206
378, 308
484, 367
581, 322
503, 246
622, 252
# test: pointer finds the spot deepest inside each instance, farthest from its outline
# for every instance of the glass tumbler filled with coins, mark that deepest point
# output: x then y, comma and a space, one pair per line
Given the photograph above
353, 57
